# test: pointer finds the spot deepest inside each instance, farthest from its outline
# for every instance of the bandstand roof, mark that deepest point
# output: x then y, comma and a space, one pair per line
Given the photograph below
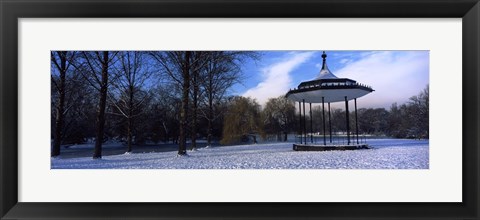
325, 73
329, 87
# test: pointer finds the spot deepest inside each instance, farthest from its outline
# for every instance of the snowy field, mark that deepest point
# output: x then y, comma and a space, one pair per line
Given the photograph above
386, 154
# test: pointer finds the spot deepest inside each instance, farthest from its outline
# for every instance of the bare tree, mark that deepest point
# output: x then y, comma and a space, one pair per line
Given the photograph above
164, 111
62, 61
195, 91
200, 73
279, 115
95, 69
177, 65
419, 106
127, 95
78, 105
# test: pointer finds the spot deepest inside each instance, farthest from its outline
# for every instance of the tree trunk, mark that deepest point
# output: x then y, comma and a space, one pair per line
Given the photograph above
182, 146
130, 120
209, 132
129, 135
285, 128
101, 108
59, 120
194, 111
210, 109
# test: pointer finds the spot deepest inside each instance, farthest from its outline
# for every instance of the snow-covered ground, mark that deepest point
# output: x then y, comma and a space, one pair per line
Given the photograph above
386, 154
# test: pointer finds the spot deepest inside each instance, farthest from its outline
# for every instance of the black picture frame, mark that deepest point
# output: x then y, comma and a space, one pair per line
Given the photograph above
12, 10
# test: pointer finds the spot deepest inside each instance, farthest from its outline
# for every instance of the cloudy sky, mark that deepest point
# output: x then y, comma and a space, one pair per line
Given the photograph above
394, 75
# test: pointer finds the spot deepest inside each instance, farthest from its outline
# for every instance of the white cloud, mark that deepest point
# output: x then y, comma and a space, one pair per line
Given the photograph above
344, 61
276, 77
394, 75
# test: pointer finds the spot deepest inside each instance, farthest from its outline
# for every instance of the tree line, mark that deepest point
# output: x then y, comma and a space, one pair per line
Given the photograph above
278, 118
141, 95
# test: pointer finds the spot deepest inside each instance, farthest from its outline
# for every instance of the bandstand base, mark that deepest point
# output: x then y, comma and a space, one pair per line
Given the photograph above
315, 147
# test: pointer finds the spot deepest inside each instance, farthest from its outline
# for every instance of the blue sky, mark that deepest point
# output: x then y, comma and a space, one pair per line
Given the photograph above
394, 75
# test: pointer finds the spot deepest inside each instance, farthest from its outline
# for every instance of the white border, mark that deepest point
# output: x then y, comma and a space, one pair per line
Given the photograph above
441, 183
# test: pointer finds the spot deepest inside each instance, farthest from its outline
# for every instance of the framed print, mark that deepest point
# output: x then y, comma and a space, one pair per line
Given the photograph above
226, 109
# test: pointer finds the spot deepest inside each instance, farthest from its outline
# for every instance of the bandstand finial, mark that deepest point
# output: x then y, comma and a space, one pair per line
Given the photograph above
324, 56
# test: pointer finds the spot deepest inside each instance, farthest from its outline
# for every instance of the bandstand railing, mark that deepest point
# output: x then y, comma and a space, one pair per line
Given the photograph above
337, 139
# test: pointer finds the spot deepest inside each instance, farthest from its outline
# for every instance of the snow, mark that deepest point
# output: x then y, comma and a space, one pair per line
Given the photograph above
386, 154
92, 145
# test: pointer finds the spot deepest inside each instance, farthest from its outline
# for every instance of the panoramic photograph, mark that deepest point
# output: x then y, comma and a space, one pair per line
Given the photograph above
327, 109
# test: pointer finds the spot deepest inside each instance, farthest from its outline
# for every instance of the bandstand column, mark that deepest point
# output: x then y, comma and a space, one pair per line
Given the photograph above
356, 119
311, 124
304, 124
300, 120
323, 113
348, 121
329, 122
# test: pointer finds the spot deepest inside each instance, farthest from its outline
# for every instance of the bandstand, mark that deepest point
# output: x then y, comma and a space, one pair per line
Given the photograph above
327, 88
